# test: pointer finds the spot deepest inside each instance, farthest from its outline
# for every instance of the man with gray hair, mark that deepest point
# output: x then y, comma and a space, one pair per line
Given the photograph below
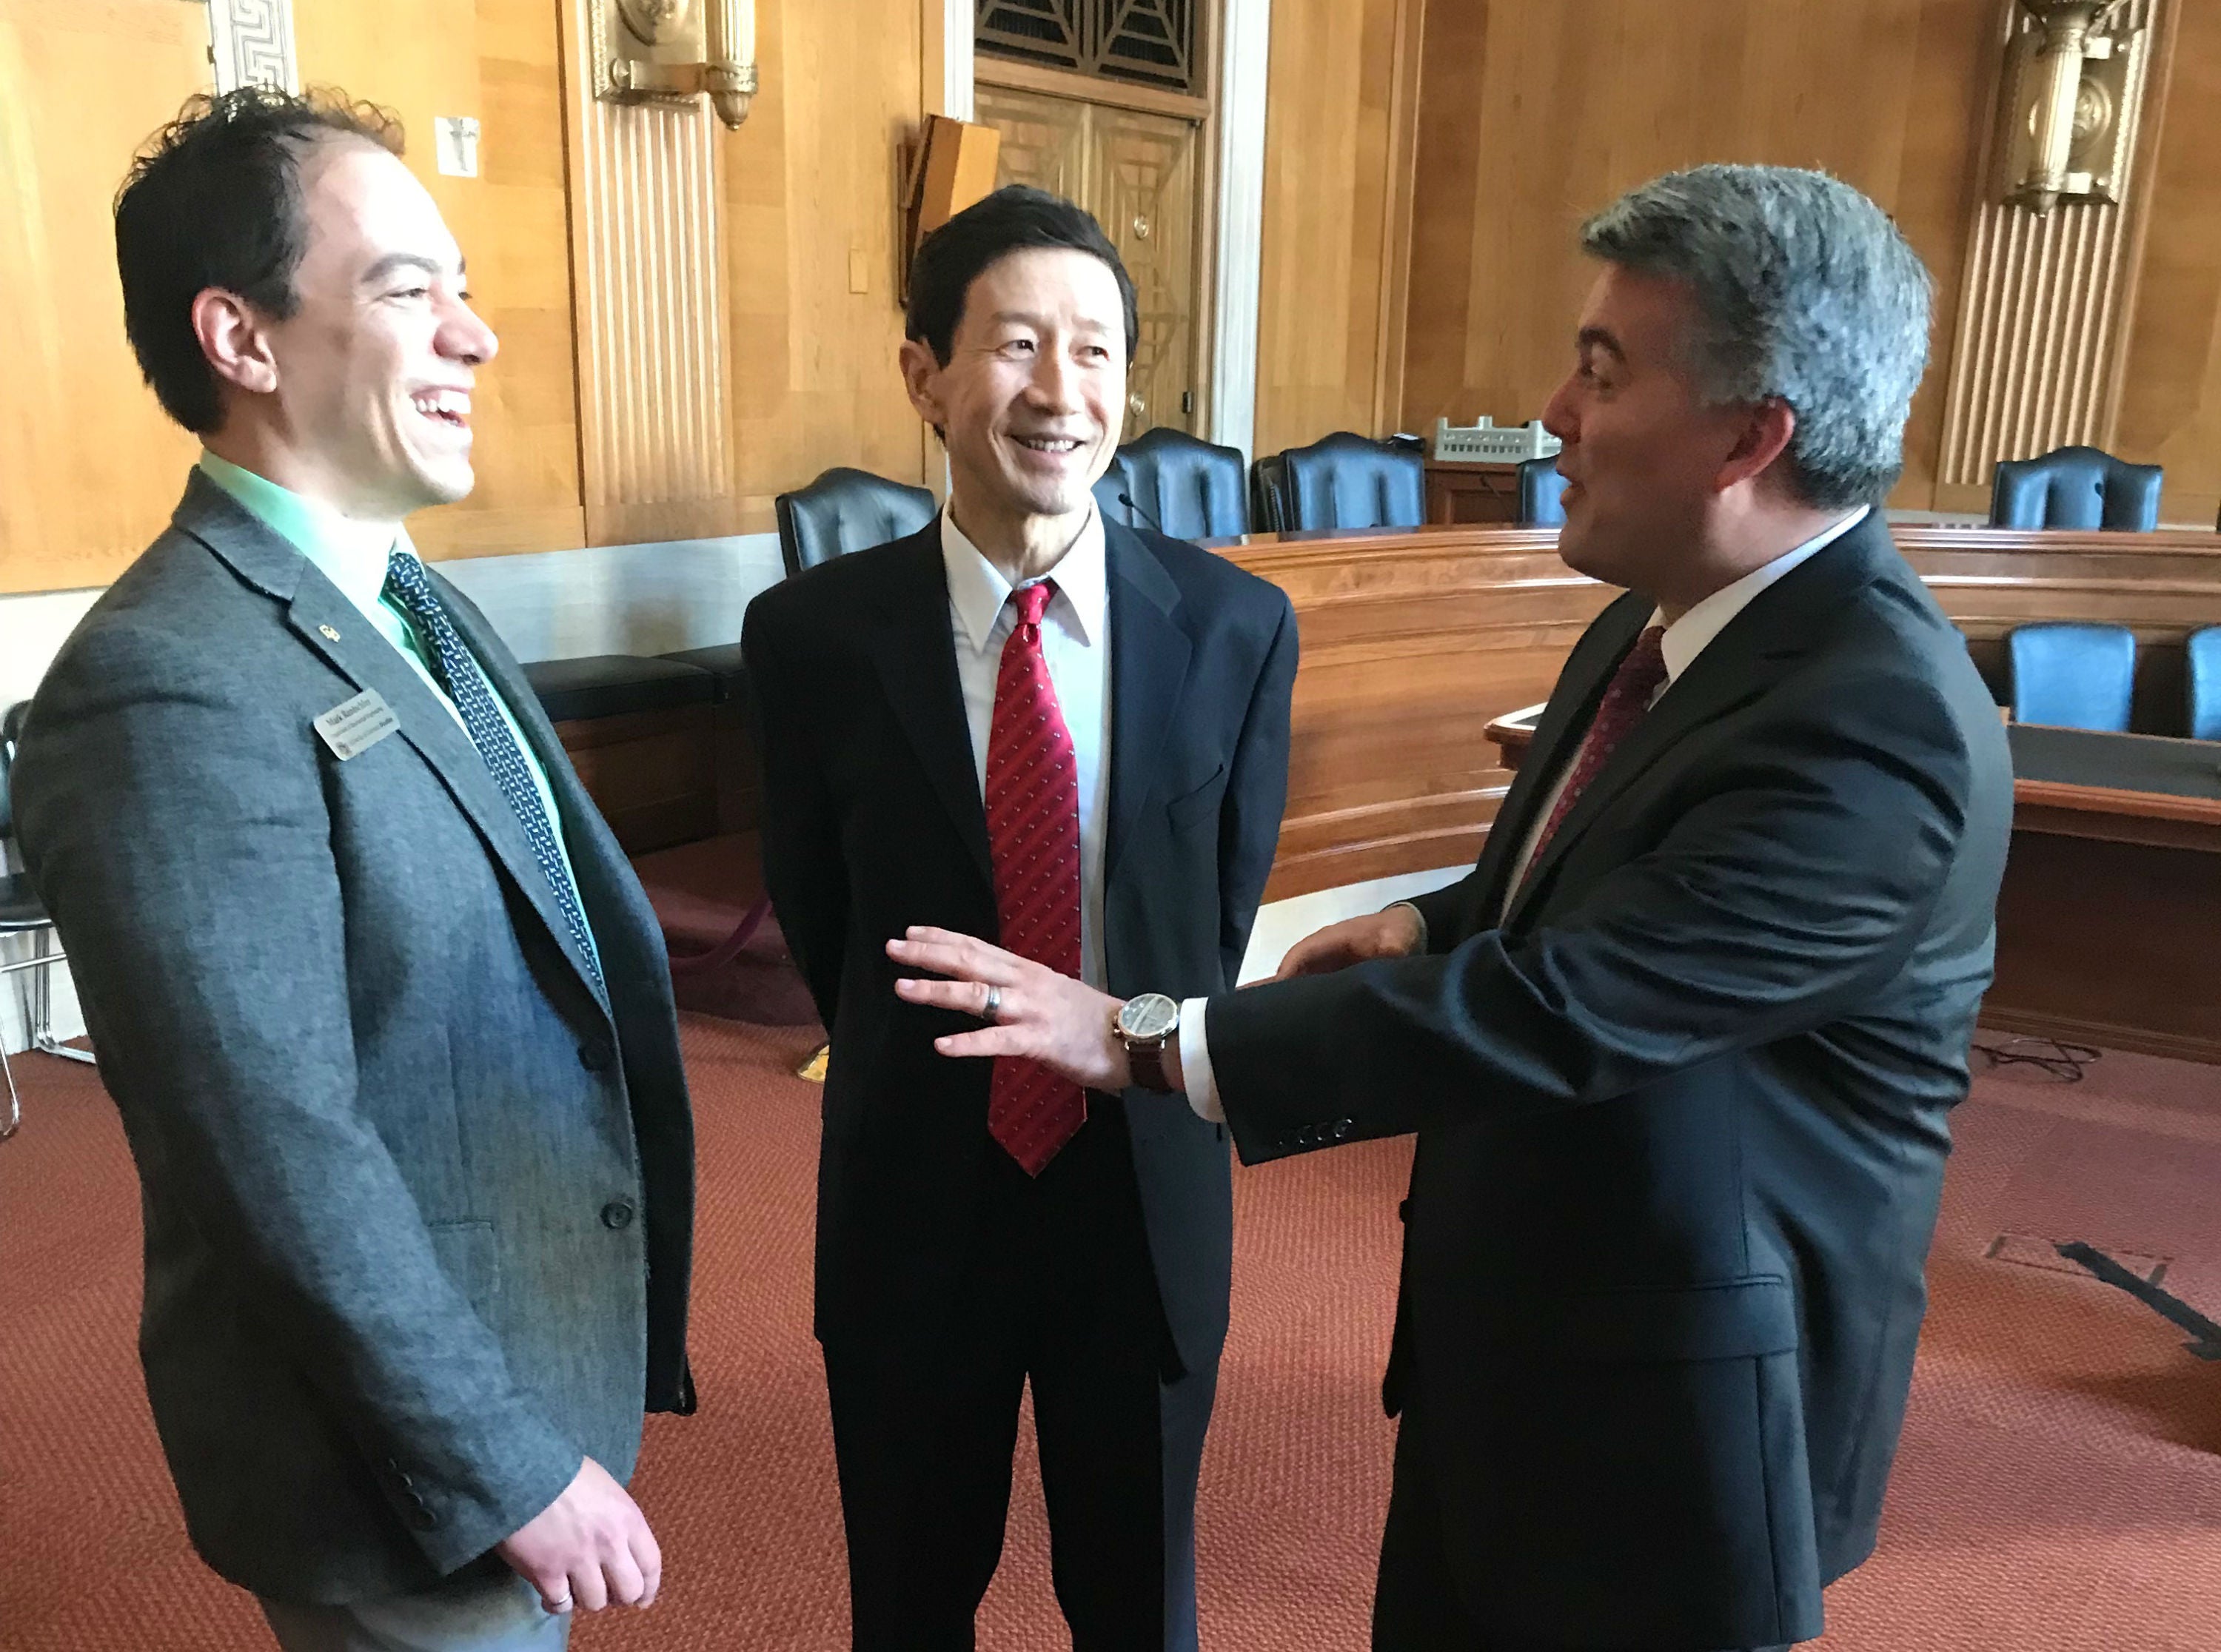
1681, 1049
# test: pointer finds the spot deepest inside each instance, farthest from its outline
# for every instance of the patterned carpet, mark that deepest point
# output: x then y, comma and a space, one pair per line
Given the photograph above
2059, 1486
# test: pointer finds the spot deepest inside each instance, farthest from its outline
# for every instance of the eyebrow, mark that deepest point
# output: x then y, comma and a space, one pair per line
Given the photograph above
1026, 316
396, 261
1596, 338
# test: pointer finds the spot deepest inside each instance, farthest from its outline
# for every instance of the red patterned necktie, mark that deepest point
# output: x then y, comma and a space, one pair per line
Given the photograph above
1033, 841
1625, 699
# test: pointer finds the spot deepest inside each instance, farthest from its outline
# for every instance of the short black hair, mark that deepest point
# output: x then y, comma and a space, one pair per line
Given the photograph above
1014, 219
214, 200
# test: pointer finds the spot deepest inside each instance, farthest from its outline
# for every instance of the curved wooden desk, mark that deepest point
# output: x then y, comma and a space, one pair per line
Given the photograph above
1415, 639
1418, 643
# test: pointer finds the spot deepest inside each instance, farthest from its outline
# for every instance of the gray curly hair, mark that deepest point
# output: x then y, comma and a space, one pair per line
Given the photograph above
1804, 290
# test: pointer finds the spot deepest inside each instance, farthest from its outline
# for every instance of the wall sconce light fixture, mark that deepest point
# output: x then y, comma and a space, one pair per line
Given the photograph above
674, 51
2066, 105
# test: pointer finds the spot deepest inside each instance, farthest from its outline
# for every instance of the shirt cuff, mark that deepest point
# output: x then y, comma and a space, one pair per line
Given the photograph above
1195, 1063
1391, 906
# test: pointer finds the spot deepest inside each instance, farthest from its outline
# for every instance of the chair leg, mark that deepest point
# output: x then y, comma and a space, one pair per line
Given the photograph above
42, 1011
14, 1102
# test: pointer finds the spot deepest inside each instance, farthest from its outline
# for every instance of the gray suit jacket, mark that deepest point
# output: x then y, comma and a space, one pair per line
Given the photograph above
418, 1195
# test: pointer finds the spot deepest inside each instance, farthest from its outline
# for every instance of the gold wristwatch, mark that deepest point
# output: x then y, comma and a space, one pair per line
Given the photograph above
1145, 1025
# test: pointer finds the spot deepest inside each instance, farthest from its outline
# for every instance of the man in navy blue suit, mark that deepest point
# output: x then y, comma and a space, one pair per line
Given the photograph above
1023, 722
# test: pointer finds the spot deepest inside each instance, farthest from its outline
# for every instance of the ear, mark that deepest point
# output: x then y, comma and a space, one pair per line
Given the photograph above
921, 373
1767, 430
234, 337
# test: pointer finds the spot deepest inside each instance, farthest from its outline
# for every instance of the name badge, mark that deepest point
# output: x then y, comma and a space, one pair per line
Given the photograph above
352, 726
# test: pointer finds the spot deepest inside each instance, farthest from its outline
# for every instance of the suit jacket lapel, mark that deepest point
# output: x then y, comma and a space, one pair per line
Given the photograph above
1756, 647
334, 627
916, 655
1149, 655
1565, 720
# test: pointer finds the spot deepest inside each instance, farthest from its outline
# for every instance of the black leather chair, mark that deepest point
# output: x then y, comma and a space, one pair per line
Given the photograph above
1542, 489
21, 913
1269, 482
2075, 487
1346, 481
1184, 486
1114, 492
615, 685
846, 510
2073, 675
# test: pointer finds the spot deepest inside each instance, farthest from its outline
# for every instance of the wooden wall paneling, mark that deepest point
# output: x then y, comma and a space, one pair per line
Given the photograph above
499, 60
811, 193
2048, 304
1532, 117
1332, 117
2170, 411
81, 87
654, 775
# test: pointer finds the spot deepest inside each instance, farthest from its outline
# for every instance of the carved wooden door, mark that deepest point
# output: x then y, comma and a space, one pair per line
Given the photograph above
1136, 173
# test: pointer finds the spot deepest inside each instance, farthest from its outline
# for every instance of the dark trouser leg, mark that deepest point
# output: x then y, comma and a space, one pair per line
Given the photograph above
1416, 1606
1120, 1444
924, 1438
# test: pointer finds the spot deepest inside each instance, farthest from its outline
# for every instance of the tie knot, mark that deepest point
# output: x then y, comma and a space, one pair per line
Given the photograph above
1644, 668
1032, 601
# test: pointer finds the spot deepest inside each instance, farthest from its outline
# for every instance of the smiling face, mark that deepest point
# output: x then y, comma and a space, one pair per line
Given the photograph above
1032, 398
369, 381
1644, 458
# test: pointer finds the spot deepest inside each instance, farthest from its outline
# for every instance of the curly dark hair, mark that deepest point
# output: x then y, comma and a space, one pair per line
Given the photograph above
214, 200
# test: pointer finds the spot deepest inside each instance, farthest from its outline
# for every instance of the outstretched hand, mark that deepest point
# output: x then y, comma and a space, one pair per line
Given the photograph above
1042, 1015
1391, 935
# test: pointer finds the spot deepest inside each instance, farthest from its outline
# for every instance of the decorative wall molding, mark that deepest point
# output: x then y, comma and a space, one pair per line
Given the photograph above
655, 438
956, 69
251, 42
1245, 46
2047, 299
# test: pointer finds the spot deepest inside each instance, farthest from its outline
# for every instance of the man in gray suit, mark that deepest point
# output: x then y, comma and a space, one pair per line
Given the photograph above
383, 1007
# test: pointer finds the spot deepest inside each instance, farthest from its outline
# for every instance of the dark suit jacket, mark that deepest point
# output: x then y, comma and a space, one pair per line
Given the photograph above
418, 1194
1681, 1118
872, 822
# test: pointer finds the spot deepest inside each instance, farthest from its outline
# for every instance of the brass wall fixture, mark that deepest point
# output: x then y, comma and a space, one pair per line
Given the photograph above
2066, 106
674, 51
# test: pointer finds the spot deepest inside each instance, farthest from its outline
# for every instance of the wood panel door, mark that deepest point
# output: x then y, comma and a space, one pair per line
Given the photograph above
1137, 172
90, 467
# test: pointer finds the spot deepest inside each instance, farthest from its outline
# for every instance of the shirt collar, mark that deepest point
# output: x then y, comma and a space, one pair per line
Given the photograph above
977, 589
1687, 637
351, 554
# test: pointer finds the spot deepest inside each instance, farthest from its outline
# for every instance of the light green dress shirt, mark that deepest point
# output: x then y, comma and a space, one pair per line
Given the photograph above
353, 555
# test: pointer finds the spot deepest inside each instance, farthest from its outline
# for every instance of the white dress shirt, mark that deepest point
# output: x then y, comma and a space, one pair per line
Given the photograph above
1685, 639
1076, 647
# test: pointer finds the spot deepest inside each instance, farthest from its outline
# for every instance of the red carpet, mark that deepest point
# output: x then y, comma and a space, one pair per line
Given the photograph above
2059, 1486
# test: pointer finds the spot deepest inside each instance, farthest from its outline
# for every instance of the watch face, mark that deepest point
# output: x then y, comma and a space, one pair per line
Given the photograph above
1150, 1016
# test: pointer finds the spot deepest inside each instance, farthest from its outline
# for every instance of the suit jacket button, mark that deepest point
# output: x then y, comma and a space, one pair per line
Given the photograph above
596, 1053
617, 1214
420, 1515
1341, 1128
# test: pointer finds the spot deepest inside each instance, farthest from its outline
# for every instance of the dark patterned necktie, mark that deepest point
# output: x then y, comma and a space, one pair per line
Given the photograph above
1625, 700
408, 586
1033, 843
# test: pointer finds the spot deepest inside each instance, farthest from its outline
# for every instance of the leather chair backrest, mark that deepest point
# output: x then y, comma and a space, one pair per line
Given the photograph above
2202, 654
1541, 493
2073, 675
1113, 488
1348, 481
1269, 482
846, 510
1184, 486
2075, 487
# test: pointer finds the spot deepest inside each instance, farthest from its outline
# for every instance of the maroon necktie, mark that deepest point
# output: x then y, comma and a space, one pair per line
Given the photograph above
1625, 699
1033, 841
